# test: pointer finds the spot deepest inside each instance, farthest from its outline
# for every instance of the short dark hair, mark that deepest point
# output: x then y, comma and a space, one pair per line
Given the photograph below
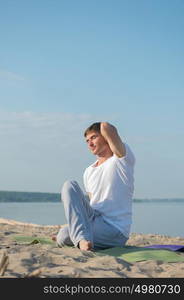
93, 127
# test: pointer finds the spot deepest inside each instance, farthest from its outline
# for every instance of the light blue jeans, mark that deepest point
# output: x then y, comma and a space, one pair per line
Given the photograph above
84, 222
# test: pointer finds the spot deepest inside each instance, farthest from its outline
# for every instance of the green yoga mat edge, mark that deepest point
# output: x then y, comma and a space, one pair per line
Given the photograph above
32, 240
128, 253
137, 254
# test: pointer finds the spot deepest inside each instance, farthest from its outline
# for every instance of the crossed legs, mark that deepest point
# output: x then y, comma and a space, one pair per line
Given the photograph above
79, 215
87, 228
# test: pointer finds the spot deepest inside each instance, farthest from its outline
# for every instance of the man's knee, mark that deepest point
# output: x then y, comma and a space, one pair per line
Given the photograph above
68, 187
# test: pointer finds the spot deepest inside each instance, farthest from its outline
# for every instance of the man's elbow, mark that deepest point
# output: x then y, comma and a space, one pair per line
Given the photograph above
108, 128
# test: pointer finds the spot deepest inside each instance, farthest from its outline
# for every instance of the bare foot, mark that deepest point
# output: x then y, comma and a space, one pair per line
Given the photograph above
85, 245
53, 238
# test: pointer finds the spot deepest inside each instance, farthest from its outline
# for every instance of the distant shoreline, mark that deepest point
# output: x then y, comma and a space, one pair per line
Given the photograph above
13, 196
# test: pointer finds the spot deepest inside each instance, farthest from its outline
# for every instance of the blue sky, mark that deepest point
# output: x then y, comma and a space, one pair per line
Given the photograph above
65, 64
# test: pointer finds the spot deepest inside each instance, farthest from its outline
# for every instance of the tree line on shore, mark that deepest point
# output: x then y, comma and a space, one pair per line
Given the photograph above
11, 196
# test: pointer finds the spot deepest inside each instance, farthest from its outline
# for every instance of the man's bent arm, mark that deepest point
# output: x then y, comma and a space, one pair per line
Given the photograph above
109, 132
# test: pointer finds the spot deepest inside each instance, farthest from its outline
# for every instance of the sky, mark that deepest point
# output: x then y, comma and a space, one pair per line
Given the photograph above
65, 64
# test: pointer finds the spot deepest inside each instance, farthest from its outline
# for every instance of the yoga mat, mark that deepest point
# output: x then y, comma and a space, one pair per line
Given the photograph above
136, 254
179, 248
127, 253
22, 239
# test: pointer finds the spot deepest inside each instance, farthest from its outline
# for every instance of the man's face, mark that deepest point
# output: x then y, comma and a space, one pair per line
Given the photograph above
96, 143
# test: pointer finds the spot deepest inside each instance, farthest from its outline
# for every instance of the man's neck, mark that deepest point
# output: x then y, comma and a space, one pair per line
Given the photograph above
102, 158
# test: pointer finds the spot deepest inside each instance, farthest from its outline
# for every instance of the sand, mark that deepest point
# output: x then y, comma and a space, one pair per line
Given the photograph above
50, 261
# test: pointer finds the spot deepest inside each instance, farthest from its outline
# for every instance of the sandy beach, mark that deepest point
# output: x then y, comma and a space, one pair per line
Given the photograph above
20, 260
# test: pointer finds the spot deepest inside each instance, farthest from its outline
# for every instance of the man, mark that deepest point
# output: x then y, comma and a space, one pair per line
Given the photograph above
105, 220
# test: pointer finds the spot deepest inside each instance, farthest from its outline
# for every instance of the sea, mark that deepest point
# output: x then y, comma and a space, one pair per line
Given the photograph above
151, 216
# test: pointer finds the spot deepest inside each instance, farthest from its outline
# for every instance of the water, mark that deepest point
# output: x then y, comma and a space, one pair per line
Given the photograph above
160, 218
44, 213
157, 218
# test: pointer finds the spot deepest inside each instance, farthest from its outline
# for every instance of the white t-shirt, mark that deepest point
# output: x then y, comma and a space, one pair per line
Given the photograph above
111, 185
